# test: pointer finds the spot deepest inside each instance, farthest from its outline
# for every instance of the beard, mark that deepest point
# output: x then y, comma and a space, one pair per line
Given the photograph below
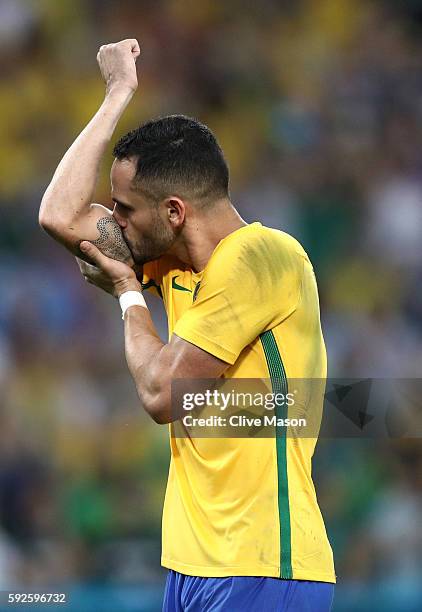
154, 244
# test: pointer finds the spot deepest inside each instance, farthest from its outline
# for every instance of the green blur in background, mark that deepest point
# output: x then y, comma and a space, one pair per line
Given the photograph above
318, 107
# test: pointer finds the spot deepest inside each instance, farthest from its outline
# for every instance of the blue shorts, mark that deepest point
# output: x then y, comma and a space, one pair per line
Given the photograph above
245, 594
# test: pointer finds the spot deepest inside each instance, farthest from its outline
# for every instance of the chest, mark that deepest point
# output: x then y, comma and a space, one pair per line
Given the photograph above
180, 290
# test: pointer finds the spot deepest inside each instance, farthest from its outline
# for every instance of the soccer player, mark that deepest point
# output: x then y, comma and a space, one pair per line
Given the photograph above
242, 529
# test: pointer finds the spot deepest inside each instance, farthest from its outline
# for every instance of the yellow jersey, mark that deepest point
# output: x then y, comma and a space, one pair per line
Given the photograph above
241, 506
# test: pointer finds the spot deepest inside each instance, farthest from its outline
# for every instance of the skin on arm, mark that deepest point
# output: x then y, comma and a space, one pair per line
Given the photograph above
153, 364
109, 240
66, 212
99, 227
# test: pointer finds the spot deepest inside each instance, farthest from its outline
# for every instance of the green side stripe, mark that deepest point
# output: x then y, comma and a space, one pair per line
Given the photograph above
279, 385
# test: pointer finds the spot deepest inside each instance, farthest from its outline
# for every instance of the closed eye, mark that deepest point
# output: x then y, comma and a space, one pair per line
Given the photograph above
122, 206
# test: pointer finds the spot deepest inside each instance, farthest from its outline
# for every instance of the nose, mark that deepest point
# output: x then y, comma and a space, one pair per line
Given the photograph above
120, 220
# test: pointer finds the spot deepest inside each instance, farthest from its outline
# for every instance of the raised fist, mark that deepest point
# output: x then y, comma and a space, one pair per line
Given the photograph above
117, 64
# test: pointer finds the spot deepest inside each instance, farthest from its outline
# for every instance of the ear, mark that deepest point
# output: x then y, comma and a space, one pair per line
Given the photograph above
175, 211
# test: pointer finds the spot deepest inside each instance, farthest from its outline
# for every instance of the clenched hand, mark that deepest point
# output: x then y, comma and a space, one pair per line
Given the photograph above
117, 64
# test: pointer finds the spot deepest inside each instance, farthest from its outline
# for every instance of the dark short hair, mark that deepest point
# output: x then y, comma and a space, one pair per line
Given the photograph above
176, 155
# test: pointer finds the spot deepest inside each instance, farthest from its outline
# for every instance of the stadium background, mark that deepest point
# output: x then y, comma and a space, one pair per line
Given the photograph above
318, 106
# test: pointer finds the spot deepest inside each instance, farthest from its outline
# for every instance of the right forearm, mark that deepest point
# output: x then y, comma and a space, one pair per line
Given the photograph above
71, 190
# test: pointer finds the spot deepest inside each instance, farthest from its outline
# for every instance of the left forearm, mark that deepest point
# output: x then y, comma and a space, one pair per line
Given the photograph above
144, 356
148, 358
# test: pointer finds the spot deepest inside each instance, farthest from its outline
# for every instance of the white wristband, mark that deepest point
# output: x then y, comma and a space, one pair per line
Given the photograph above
131, 298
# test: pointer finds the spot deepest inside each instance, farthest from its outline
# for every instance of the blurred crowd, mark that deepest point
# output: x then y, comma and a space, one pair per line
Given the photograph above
318, 107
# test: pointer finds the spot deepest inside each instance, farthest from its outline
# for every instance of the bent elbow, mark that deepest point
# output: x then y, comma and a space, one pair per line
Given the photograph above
56, 227
158, 409
47, 225
160, 417
45, 218
50, 226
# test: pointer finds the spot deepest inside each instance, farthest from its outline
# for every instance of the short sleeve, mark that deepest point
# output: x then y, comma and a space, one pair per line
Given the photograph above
250, 284
152, 278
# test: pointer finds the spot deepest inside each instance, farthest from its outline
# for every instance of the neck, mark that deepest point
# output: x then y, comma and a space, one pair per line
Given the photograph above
203, 231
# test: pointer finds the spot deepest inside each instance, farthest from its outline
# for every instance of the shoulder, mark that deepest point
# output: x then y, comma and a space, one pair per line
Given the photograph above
278, 239
256, 244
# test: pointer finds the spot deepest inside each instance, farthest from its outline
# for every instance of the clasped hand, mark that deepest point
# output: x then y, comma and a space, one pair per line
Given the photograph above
114, 277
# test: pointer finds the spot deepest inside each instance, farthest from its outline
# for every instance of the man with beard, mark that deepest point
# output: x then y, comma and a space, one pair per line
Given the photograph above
242, 529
